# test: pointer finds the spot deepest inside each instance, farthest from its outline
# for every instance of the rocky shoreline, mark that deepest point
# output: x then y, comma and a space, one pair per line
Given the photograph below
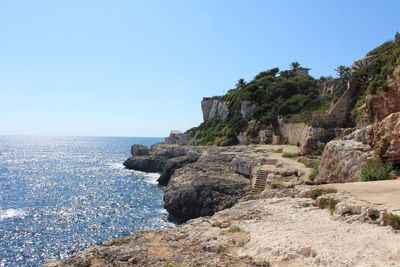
285, 231
287, 224
199, 180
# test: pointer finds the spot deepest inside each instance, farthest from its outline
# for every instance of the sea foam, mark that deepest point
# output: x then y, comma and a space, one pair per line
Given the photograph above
12, 213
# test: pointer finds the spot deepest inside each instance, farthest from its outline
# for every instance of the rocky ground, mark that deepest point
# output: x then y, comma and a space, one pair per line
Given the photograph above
262, 232
199, 180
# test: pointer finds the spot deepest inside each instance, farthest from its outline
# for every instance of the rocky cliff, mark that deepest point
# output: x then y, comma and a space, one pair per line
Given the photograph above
212, 107
386, 102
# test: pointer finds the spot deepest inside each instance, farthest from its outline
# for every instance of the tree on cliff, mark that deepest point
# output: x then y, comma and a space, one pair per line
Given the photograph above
294, 65
240, 84
343, 72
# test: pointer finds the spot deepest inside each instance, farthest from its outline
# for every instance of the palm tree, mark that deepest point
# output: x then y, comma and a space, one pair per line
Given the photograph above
343, 72
240, 84
294, 65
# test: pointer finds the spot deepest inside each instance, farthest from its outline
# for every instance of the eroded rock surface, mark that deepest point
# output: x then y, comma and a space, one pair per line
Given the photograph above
177, 138
384, 137
341, 161
386, 102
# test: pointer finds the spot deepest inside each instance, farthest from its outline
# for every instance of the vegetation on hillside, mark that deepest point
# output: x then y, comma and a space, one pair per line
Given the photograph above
295, 97
373, 77
275, 94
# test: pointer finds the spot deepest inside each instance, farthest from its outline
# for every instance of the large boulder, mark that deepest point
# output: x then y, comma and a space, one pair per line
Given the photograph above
140, 150
203, 188
341, 161
177, 138
243, 165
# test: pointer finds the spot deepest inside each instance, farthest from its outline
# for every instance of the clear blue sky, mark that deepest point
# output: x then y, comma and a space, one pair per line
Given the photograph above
141, 68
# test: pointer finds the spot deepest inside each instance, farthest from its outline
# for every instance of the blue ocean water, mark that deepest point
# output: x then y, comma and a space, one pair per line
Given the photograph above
59, 195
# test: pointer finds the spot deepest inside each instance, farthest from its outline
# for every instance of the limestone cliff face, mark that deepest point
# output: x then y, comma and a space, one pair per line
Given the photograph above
216, 106
246, 108
384, 137
212, 107
385, 103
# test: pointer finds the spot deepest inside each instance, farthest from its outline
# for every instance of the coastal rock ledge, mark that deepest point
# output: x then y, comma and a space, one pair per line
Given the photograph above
199, 180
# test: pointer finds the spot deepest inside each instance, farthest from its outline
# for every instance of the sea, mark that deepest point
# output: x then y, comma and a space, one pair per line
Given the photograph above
60, 195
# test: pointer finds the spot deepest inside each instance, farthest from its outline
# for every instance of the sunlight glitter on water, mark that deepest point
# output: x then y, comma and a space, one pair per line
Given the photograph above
60, 195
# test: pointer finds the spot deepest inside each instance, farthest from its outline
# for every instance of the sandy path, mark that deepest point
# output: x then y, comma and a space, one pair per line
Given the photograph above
385, 193
290, 235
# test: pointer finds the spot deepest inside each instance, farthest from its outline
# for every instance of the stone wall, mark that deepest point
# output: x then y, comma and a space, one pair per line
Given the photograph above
328, 87
338, 115
294, 133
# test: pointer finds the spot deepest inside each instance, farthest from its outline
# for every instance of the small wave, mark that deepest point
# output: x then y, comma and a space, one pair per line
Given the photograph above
150, 178
117, 165
11, 213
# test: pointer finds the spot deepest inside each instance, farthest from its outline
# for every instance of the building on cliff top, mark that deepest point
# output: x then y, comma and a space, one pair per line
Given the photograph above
397, 37
301, 70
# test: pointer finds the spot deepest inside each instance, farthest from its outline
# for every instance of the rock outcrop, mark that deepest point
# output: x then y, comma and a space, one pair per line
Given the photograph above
177, 138
246, 108
384, 137
140, 150
199, 180
163, 158
341, 161
203, 188
386, 102
212, 107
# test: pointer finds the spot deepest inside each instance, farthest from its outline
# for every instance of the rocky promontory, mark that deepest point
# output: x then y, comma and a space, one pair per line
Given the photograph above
199, 180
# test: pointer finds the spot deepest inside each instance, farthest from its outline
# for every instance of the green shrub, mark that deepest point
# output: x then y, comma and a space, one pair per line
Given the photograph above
277, 183
176, 265
314, 172
374, 170
327, 203
314, 194
291, 155
234, 229
394, 221
279, 150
